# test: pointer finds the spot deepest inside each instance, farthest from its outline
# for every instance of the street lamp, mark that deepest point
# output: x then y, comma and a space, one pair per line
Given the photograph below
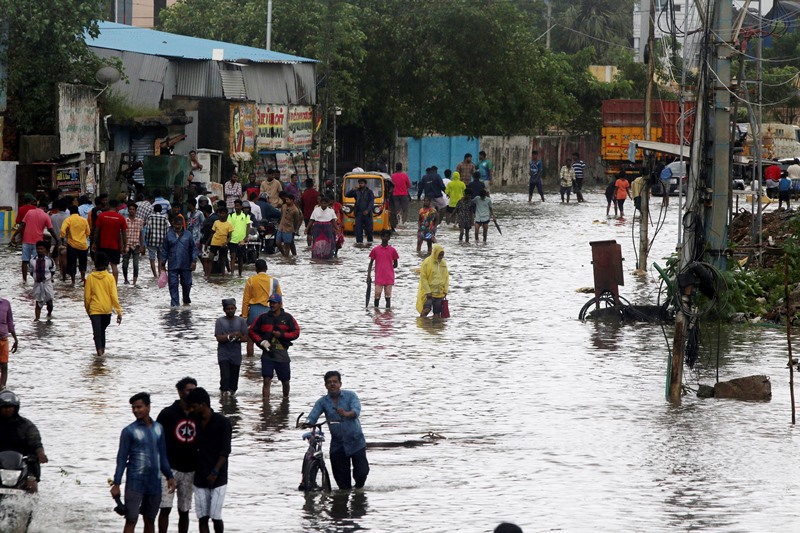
336, 112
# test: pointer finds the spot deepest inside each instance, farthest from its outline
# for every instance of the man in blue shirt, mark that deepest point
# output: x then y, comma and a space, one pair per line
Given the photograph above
365, 201
160, 200
342, 410
179, 253
143, 452
535, 176
784, 192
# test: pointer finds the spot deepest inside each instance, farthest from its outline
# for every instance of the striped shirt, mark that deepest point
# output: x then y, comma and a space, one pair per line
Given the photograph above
579, 167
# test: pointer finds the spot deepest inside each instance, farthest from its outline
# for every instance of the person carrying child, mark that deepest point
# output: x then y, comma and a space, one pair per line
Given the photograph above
427, 225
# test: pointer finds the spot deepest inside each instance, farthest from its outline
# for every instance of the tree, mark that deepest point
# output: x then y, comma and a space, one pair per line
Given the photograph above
600, 24
45, 45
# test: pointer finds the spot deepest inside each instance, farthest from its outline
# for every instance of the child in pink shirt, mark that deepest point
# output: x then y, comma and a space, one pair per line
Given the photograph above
384, 257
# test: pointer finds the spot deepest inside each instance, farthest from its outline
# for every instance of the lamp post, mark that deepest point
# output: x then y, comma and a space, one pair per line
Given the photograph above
336, 112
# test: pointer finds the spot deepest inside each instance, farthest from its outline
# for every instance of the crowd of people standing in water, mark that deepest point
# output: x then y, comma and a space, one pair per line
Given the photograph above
185, 451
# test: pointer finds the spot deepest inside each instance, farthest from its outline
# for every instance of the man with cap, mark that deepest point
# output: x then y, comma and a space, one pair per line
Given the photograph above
255, 301
274, 332
230, 330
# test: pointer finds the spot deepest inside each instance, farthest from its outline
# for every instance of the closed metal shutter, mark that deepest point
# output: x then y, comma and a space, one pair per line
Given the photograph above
233, 84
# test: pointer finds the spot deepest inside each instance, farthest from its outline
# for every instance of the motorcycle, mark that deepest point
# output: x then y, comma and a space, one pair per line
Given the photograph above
16, 502
266, 234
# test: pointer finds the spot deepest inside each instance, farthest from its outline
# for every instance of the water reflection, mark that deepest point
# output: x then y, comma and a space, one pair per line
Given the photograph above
432, 325
335, 512
605, 334
275, 418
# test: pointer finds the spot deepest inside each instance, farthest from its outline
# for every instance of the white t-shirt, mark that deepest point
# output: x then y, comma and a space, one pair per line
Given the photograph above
323, 215
793, 171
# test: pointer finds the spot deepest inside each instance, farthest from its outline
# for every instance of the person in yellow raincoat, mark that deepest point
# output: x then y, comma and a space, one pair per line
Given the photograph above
434, 282
455, 191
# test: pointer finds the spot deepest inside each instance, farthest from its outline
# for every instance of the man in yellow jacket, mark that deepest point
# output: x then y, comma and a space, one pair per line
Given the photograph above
455, 191
99, 298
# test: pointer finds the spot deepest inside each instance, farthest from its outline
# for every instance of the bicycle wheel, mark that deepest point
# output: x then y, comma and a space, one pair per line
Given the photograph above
315, 476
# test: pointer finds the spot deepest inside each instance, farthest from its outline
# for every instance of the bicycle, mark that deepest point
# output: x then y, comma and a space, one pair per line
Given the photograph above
315, 473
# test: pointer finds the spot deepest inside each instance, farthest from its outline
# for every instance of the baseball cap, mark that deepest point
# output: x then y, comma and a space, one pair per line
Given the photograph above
276, 298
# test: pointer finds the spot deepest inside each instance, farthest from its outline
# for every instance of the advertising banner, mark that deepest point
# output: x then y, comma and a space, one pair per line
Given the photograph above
301, 125
243, 127
271, 119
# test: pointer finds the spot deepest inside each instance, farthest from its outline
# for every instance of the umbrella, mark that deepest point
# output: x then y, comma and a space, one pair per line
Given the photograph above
496, 225
369, 290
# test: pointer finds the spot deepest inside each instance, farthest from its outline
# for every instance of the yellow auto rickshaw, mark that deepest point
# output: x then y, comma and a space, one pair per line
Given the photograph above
376, 182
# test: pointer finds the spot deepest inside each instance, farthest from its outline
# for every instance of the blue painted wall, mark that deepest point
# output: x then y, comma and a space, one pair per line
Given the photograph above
444, 152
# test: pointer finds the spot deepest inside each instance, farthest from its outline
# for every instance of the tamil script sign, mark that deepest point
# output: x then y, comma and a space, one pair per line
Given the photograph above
271, 133
301, 125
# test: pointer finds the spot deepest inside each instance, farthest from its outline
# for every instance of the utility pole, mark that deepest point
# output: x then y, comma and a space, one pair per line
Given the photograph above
549, 23
716, 218
644, 241
711, 151
269, 25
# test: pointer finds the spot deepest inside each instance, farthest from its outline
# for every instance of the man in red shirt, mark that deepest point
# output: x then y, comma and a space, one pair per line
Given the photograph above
772, 175
32, 228
30, 203
109, 235
308, 201
400, 198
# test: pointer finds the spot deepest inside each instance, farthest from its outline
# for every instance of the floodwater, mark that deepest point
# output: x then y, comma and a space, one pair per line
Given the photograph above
551, 423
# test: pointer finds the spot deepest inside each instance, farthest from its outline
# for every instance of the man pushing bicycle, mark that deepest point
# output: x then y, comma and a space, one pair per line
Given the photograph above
342, 410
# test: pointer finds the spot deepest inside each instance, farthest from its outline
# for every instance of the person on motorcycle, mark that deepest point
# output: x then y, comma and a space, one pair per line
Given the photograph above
20, 435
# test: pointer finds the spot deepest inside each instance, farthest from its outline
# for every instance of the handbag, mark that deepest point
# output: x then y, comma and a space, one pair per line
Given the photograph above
445, 308
162, 279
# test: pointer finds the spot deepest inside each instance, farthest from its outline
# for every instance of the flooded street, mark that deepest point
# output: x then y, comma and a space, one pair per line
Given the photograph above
550, 423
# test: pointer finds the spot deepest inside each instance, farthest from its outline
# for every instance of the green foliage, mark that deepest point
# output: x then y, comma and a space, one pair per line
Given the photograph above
45, 45
117, 105
604, 25
411, 67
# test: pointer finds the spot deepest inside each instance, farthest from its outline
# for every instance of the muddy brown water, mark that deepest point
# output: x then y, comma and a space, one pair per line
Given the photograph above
551, 423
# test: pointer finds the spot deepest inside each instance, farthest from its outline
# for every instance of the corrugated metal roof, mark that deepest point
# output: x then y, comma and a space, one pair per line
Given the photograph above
153, 68
138, 89
266, 85
198, 79
115, 36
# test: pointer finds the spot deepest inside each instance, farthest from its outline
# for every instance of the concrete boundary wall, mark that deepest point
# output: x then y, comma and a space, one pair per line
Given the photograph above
510, 156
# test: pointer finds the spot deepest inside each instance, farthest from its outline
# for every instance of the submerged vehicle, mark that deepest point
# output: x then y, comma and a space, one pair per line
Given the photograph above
16, 500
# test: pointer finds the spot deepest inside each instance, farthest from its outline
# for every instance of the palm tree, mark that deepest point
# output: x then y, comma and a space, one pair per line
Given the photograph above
598, 24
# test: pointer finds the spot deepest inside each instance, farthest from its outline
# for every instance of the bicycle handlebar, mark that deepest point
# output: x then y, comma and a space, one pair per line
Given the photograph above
318, 425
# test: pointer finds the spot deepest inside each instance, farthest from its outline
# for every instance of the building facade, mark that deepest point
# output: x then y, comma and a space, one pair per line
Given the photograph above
141, 13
